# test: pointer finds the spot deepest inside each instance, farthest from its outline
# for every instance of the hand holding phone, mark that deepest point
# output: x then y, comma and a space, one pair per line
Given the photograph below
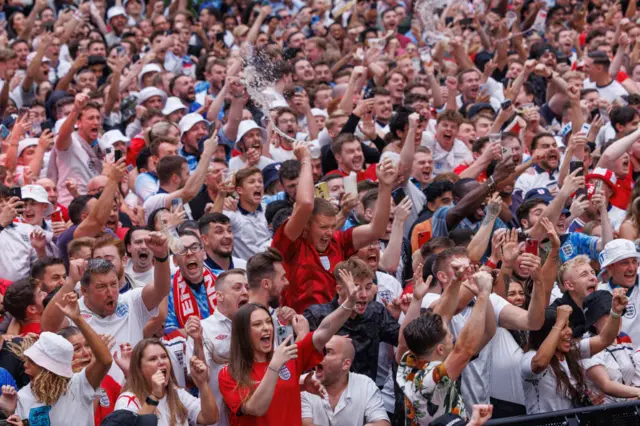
531, 247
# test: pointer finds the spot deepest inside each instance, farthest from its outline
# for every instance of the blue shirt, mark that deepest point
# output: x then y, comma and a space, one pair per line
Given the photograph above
200, 293
575, 243
192, 160
268, 199
440, 228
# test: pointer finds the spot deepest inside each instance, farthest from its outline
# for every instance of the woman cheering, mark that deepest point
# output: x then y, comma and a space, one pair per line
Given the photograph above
57, 395
151, 388
260, 385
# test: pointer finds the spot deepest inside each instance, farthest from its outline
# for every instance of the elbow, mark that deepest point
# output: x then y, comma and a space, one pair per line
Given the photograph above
208, 418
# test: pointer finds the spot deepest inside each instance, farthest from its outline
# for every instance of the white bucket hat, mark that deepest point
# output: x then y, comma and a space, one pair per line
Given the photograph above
616, 251
190, 120
248, 125
109, 138
38, 194
26, 143
115, 11
173, 104
149, 92
147, 69
53, 353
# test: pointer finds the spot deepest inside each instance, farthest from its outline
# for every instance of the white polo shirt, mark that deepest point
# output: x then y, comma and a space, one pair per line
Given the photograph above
17, 254
359, 403
535, 178
126, 324
250, 231
216, 339
73, 163
476, 377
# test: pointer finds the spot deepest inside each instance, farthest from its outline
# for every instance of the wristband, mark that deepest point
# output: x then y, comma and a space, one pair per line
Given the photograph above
273, 369
490, 264
151, 401
161, 259
614, 315
345, 308
556, 327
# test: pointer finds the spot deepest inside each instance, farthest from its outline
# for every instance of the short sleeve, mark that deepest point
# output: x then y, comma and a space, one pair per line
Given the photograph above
191, 404
439, 222
282, 242
584, 347
231, 393
428, 300
498, 304
153, 203
307, 407
345, 241
136, 303
525, 365
594, 361
80, 388
127, 401
374, 410
308, 355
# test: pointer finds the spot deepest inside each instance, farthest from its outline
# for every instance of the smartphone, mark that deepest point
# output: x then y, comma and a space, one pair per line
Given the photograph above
57, 216
506, 104
15, 192
4, 131
285, 331
117, 155
465, 22
220, 36
594, 113
507, 154
121, 51
575, 165
598, 186
531, 246
398, 195
448, 21
175, 204
322, 191
299, 89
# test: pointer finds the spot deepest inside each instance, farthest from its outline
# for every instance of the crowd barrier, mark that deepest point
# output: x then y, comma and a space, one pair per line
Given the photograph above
618, 414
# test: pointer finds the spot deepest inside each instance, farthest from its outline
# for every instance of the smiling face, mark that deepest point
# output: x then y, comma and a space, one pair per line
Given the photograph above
219, 239
564, 344
54, 276
33, 212
261, 333
82, 354
515, 295
624, 272
446, 133
350, 158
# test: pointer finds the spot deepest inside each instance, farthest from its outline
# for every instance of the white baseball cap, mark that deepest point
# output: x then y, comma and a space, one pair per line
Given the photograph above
38, 194
248, 125
617, 250
109, 138
317, 112
147, 69
172, 105
190, 120
53, 353
115, 11
26, 143
149, 92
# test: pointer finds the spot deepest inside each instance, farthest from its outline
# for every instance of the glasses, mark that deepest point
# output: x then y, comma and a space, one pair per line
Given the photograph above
193, 249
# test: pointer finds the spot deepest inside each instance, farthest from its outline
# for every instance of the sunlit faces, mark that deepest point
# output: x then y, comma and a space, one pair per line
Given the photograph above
624, 272
516, 295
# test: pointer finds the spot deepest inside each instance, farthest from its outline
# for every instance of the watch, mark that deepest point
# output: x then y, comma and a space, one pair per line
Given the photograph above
151, 401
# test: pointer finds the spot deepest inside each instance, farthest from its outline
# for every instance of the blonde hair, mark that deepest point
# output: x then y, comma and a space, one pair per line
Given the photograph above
48, 387
566, 266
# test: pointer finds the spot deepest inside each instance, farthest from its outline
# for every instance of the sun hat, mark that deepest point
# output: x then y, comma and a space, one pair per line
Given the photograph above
146, 70
26, 143
617, 250
109, 138
172, 105
149, 92
53, 353
38, 194
190, 120
115, 11
248, 125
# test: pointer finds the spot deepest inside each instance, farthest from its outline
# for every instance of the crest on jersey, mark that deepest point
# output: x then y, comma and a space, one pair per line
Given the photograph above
122, 310
284, 373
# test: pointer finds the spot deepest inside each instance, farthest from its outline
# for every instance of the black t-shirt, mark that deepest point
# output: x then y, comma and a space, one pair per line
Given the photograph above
199, 203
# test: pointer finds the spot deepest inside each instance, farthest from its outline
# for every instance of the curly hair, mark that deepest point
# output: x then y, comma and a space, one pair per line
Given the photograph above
48, 387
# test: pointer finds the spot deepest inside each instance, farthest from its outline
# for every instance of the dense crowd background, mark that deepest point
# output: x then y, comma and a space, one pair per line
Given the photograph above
317, 213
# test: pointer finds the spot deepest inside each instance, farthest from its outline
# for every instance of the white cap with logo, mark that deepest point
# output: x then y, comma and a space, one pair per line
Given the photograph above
617, 250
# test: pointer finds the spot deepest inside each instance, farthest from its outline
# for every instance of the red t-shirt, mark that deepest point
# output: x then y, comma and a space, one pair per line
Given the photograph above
109, 392
136, 145
462, 167
33, 327
285, 407
310, 274
367, 174
624, 187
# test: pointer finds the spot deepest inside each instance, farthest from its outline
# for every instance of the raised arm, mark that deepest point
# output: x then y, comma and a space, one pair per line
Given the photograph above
514, 318
491, 152
29, 24
44, 142
101, 362
303, 207
99, 215
209, 412
239, 98
34, 70
408, 148
336, 319
117, 66
510, 252
252, 35
420, 288
447, 305
480, 241
611, 328
472, 337
194, 184
355, 83
366, 234
617, 149
63, 142
158, 289
607, 230
547, 350
390, 259
53, 319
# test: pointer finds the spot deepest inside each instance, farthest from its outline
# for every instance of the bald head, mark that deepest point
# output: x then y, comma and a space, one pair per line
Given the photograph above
96, 184
343, 346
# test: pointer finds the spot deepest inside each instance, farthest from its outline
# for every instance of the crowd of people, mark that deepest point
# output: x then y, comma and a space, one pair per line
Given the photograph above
348, 213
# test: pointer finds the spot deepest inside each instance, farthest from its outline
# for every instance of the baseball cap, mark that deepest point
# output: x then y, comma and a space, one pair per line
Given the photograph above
149, 92
270, 174
53, 353
190, 120
26, 143
172, 105
317, 112
115, 11
595, 306
476, 108
617, 250
539, 194
38, 194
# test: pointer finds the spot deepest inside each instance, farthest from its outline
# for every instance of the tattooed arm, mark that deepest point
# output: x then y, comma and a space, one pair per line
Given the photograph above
478, 245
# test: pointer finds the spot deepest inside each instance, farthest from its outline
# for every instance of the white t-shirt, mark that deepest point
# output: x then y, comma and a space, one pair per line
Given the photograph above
279, 154
128, 401
138, 279
630, 321
610, 92
359, 403
216, 339
476, 377
157, 202
237, 163
388, 289
17, 254
505, 364
74, 407
445, 161
73, 163
617, 359
125, 324
540, 389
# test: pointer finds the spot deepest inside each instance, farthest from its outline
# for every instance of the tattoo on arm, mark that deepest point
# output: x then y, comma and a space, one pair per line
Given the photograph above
492, 214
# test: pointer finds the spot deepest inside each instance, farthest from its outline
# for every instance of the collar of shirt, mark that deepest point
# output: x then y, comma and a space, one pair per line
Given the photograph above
629, 291
194, 287
211, 264
247, 212
540, 170
219, 316
185, 154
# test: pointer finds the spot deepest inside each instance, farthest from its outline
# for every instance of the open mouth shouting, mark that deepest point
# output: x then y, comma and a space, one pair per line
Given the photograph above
265, 341
192, 266
361, 306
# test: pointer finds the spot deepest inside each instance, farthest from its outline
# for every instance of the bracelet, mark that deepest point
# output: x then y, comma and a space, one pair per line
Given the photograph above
161, 259
491, 265
614, 315
345, 308
556, 327
305, 162
273, 369
151, 401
